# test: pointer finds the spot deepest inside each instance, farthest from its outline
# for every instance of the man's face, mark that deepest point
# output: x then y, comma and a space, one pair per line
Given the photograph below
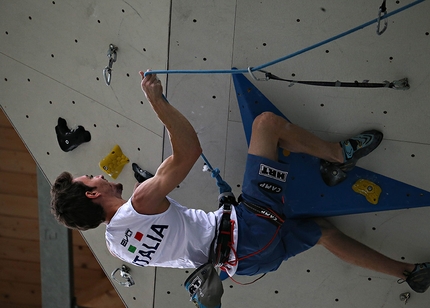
101, 185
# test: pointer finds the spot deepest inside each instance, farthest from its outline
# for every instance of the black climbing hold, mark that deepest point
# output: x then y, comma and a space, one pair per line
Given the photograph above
70, 139
140, 174
331, 173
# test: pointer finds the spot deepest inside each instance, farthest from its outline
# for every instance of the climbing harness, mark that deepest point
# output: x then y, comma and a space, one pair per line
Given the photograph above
225, 233
383, 15
112, 55
264, 212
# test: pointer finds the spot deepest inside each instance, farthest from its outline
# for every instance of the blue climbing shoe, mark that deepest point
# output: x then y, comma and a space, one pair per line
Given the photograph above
419, 278
353, 149
358, 147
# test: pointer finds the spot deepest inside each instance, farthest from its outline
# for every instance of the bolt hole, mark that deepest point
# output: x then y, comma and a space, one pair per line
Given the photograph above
29, 17
194, 20
76, 40
413, 155
276, 291
373, 228
47, 153
264, 44
298, 20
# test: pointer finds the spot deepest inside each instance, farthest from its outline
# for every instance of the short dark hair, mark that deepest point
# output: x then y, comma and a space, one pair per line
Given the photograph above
72, 207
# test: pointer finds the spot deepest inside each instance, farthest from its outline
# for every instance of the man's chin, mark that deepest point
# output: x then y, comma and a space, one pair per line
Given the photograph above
118, 188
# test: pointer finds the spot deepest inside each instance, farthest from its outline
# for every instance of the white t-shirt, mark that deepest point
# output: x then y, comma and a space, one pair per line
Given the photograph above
178, 238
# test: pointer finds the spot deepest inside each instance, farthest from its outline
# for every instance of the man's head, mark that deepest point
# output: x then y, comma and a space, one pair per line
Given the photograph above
77, 203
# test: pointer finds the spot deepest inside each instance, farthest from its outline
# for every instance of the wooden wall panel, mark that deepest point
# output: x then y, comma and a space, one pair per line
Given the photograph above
20, 285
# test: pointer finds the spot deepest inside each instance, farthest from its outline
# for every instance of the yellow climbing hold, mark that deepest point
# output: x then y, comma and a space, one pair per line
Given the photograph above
368, 189
113, 163
286, 153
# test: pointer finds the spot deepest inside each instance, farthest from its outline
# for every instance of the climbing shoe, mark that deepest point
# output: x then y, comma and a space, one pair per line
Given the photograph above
353, 149
140, 174
419, 278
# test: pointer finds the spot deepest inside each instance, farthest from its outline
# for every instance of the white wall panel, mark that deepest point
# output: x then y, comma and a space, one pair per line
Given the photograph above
62, 51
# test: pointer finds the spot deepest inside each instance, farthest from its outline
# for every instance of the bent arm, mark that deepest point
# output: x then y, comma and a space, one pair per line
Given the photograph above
150, 196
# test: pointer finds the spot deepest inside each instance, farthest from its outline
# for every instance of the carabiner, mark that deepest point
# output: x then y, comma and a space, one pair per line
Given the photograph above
381, 15
107, 72
254, 77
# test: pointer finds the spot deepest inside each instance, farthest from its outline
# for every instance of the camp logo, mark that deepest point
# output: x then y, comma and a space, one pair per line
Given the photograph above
270, 187
273, 173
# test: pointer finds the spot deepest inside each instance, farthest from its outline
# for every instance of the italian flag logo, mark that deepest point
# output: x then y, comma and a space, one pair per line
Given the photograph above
138, 236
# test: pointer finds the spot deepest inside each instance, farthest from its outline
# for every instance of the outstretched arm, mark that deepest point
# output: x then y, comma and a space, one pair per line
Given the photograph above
150, 196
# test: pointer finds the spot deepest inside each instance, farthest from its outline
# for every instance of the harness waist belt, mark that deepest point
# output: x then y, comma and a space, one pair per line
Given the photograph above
264, 212
224, 240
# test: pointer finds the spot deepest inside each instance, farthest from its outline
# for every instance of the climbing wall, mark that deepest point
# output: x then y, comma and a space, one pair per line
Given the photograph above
52, 55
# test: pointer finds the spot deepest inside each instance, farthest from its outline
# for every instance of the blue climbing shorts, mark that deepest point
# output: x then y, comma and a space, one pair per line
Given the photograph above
265, 183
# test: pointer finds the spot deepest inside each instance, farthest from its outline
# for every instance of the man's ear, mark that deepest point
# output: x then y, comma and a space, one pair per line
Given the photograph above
92, 194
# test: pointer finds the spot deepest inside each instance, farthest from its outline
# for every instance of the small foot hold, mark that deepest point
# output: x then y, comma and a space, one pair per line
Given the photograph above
331, 173
140, 174
368, 189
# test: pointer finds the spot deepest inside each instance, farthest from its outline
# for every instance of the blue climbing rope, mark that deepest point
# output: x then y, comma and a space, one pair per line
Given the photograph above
222, 185
253, 69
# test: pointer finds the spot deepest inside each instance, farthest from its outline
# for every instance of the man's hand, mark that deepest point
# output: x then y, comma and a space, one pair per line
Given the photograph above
152, 87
